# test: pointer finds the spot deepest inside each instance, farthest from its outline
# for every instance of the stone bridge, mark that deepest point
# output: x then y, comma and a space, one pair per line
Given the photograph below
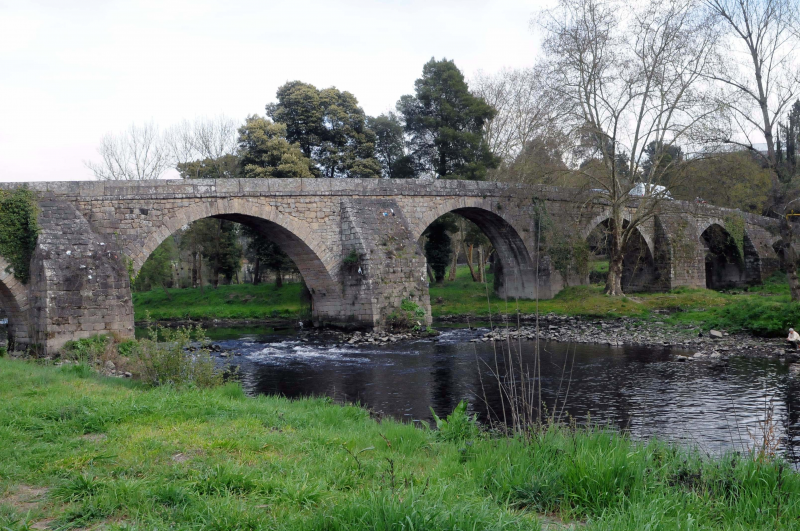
354, 241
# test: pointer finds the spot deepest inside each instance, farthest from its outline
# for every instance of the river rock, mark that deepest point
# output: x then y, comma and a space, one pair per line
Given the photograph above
715, 334
794, 369
109, 366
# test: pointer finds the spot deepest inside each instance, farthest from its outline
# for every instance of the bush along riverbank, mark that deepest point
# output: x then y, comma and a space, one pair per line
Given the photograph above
78, 450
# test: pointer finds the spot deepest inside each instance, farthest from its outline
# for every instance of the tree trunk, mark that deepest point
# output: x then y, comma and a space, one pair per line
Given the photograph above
481, 266
278, 279
453, 265
614, 279
200, 271
257, 272
194, 268
788, 258
431, 275
469, 262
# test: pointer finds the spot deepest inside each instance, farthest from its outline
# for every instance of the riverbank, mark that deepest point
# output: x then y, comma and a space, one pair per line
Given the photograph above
763, 310
80, 450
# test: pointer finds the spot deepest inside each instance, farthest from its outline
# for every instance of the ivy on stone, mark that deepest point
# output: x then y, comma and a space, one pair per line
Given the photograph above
18, 231
734, 224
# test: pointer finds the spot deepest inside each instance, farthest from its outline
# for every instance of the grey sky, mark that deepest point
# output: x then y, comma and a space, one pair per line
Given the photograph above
71, 71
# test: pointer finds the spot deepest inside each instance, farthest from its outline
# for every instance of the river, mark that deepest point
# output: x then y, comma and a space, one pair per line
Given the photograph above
706, 404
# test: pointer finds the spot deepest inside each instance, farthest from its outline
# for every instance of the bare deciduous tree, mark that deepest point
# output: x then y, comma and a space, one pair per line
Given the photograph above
759, 70
525, 133
206, 143
136, 154
630, 75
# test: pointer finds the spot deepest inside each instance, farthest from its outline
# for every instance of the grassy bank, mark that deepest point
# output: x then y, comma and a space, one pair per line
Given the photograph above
241, 301
81, 451
763, 310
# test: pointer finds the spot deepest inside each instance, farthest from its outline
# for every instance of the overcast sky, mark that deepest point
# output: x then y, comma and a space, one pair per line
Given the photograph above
70, 71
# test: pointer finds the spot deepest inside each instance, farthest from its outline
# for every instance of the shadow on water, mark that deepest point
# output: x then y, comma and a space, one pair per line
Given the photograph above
637, 389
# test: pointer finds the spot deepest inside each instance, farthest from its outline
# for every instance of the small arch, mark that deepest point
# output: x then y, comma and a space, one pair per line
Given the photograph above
724, 261
605, 216
638, 264
14, 301
515, 270
314, 260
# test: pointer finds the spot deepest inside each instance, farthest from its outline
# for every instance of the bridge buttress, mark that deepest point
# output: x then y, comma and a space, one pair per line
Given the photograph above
79, 284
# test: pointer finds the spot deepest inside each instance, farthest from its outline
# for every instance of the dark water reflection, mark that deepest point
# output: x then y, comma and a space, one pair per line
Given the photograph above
633, 388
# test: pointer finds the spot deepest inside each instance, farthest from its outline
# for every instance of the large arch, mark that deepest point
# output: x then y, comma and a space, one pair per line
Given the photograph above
515, 271
312, 257
14, 301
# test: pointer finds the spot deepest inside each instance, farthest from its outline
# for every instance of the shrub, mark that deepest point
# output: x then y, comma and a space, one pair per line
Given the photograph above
86, 350
459, 425
168, 362
127, 348
3, 352
405, 317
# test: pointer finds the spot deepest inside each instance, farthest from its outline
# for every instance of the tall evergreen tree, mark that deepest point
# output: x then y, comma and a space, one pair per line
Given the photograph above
330, 128
445, 124
390, 146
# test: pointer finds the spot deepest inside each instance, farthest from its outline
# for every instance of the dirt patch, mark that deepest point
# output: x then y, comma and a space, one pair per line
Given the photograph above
43, 524
554, 523
94, 437
182, 457
25, 498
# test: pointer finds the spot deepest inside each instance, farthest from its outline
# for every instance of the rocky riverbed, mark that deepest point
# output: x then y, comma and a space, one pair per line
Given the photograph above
632, 331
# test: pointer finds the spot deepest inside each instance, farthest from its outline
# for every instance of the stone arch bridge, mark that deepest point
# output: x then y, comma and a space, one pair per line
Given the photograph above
355, 242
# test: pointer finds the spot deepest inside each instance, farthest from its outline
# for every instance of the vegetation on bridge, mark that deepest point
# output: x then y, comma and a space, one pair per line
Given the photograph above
18, 230
80, 451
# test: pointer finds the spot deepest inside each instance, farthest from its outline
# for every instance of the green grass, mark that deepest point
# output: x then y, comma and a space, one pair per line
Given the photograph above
111, 454
763, 310
239, 301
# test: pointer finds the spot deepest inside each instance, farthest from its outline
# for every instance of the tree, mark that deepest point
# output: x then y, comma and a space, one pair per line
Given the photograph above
629, 74
733, 180
661, 160
444, 123
329, 127
265, 151
390, 146
266, 254
205, 148
214, 240
438, 245
527, 113
758, 68
791, 137
139, 153
157, 269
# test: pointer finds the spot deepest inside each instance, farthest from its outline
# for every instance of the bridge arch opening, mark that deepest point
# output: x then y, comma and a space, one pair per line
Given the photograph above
638, 264
14, 309
483, 247
191, 270
724, 260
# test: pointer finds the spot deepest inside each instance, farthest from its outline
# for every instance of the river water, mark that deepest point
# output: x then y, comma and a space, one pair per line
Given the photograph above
709, 405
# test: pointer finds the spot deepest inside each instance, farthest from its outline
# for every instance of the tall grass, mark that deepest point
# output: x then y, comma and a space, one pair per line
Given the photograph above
115, 453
